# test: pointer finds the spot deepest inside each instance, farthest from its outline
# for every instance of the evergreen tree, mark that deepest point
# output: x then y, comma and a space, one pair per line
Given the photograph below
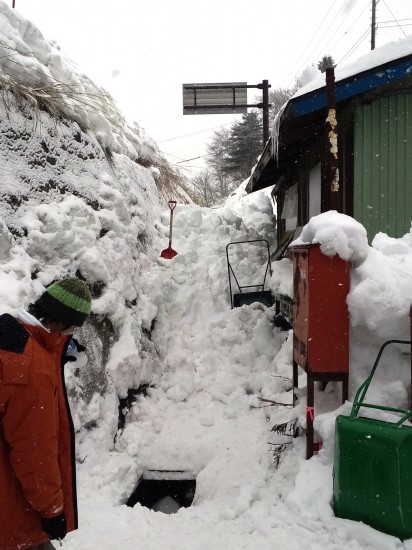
326, 62
233, 152
244, 146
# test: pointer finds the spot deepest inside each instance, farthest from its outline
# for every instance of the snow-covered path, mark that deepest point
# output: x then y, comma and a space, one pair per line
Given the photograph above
67, 208
212, 365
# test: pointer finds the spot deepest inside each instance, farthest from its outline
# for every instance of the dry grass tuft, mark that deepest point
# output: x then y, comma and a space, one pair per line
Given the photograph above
52, 98
39, 92
171, 184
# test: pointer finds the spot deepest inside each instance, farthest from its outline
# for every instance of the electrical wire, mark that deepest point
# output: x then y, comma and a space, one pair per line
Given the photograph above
392, 26
397, 20
355, 46
313, 37
188, 160
329, 29
194, 133
188, 150
346, 32
359, 40
387, 7
334, 19
170, 155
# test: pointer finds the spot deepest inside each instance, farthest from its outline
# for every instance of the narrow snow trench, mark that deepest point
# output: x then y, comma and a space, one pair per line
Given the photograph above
201, 412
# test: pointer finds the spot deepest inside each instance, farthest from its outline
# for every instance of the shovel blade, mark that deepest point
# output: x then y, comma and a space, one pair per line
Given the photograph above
168, 253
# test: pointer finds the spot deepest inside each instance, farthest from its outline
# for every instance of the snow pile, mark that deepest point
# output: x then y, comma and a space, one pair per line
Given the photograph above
379, 56
373, 298
67, 208
336, 234
204, 413
381, 290
40, 70
281, 281
215, 382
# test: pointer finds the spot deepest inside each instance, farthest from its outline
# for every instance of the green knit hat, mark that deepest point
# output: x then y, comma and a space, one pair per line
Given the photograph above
68, 301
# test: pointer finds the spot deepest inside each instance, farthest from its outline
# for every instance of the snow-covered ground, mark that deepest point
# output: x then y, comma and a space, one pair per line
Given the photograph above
170, 326
203, 414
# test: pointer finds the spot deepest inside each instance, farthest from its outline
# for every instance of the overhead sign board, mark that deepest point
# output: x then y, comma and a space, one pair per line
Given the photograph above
218, 98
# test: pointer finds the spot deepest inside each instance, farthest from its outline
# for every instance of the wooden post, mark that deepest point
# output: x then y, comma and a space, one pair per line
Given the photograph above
333, 160
265, 101
373, 25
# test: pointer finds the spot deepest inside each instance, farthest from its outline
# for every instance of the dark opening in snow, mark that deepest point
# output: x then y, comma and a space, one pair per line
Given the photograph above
162, 494
126, 404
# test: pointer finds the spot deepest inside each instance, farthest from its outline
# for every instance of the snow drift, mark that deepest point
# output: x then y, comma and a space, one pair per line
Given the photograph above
217, 382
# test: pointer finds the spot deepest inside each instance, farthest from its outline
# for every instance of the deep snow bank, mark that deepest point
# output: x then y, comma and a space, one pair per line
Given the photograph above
44, 75
81, 194
203, 413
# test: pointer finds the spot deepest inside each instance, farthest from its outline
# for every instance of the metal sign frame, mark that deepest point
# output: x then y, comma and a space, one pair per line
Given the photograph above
224, 98
199, 99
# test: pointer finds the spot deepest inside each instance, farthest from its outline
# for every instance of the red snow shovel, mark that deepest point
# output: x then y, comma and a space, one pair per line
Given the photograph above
168, 252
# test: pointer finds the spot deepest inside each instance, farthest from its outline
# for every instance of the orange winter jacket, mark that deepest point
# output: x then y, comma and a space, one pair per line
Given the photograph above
37, 462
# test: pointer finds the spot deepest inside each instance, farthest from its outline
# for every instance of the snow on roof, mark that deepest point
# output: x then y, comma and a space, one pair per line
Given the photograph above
313, 79
375, 58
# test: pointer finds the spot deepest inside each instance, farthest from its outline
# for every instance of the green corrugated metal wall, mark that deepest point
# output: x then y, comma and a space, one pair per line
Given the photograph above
383, 165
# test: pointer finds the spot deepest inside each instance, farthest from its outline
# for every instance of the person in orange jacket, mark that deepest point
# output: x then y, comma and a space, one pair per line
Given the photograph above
37, 456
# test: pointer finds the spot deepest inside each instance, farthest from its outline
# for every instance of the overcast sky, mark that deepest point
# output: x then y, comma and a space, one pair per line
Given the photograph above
142, 52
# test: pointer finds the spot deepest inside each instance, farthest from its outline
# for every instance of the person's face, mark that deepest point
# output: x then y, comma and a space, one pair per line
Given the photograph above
57, 327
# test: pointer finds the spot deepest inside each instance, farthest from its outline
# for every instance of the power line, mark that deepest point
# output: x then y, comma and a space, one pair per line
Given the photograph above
194, 133
360, 39
355, 46
396, 20
170, 155
329, 29
320, 25
392, 26
334, 19
187, 160
189, 166
347, 30
185, 150
387, 7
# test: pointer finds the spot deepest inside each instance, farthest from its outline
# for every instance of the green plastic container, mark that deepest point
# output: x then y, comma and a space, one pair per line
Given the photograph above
372, 474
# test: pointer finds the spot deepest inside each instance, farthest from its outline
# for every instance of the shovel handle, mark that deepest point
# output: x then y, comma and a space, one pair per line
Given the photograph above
172, 206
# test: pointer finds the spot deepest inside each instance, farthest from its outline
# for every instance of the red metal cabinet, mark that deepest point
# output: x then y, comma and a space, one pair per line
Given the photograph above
320, 323
320, 313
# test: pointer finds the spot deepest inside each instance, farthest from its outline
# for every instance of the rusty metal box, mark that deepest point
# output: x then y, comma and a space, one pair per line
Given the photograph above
320, 314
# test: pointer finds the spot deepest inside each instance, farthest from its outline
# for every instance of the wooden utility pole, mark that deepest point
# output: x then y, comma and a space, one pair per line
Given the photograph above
333, 160
373, 25
265, 108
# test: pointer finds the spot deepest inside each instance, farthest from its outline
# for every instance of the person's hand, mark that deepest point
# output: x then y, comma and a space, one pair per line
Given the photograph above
55, 527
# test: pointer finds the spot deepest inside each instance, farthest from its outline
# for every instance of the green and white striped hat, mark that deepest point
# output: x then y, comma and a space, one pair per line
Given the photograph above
68, 301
